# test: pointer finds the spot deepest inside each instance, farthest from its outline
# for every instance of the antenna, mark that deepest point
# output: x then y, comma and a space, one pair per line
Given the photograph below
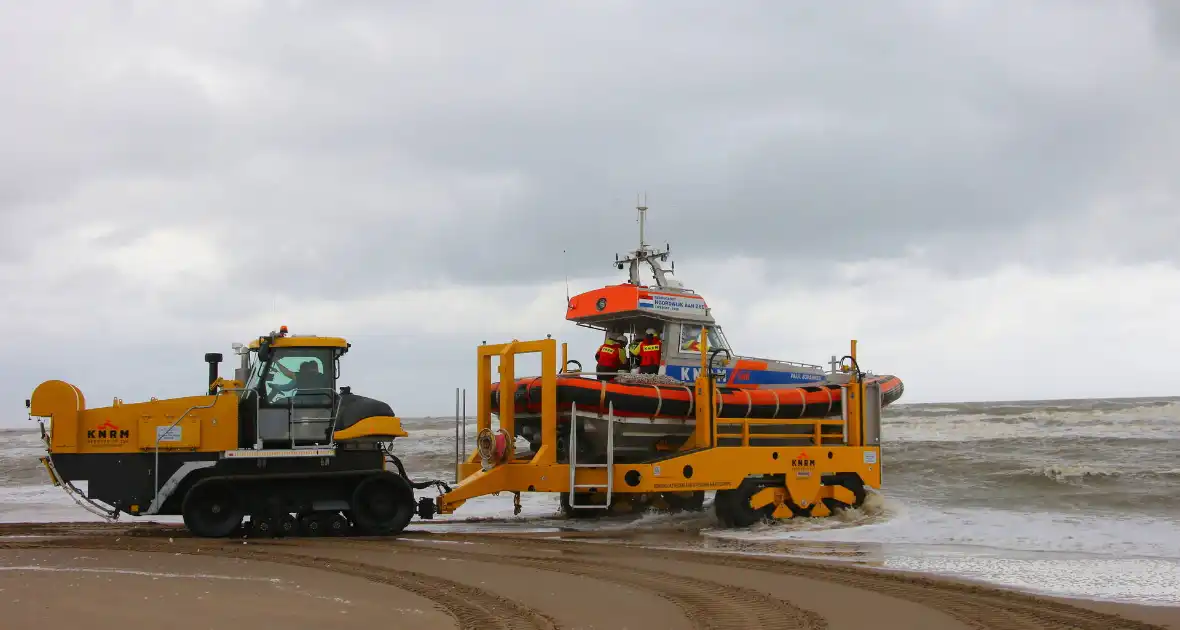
641, 206
565, 270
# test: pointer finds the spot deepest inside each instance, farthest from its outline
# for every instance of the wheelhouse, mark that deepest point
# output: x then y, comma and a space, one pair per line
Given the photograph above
678, 315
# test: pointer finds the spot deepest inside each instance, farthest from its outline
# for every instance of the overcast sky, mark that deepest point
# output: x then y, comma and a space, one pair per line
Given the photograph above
985, 194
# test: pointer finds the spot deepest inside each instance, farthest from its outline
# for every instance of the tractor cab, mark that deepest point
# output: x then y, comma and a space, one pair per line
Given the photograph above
300, 371
290, 396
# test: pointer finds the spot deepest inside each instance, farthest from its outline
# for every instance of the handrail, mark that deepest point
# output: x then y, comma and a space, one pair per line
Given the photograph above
303, 392
334, 405
815, 436
714, 368
769, 422
783, 361
599, 374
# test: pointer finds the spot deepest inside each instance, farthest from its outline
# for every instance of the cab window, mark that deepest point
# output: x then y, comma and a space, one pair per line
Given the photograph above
301, 374
690, 338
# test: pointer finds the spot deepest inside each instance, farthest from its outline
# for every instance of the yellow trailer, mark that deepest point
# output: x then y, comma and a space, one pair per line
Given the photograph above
813, 472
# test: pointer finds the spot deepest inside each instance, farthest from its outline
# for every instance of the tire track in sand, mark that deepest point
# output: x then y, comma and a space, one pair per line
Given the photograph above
975, 606
472, 608
981, 607
706, 604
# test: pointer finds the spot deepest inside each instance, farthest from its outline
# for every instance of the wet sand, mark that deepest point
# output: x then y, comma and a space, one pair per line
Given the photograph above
112, 576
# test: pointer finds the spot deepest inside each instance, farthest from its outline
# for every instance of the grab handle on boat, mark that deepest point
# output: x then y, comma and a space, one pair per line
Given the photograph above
712, 388
567, 366
853, 366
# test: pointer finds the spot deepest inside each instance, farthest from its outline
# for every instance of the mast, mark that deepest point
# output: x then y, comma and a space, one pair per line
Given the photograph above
645, 254
642, 208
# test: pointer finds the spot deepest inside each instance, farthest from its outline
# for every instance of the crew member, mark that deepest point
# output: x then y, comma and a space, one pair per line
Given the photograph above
308, 376
633, 351
649, 353
308, 385
610, 356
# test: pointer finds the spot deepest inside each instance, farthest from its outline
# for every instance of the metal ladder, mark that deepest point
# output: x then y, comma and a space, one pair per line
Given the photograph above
610, 459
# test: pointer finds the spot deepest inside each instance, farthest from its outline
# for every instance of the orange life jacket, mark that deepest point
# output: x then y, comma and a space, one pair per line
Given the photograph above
649, 353
609, 355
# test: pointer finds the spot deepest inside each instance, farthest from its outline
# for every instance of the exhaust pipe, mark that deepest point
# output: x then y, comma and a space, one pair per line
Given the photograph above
212, 358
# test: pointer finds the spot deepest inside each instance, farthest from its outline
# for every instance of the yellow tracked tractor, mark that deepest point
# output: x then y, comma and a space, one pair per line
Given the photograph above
279, 447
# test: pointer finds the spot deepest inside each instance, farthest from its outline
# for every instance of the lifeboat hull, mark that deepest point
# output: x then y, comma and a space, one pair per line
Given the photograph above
650, 418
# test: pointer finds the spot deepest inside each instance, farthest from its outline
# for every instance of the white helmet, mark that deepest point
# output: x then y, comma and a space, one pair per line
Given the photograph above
651, 331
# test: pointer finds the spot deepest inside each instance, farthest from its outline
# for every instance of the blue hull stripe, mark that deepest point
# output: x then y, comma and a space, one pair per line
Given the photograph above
689, 373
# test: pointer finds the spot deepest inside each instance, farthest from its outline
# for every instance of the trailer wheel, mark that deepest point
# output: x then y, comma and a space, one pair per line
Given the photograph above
581, 498
382, 504
853, 482
733, 506
679, 502
211, 510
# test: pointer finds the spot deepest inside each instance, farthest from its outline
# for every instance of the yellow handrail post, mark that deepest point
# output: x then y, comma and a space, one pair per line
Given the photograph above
855, 402
548, 453
483, 406
508, 394
713, 413
702, 433
483, 399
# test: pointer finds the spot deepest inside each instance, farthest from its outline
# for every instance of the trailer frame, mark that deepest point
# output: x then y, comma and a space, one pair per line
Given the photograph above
751, 481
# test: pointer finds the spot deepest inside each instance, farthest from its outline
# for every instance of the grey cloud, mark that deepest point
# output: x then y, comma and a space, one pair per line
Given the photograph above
345, 149
755, 130
1167, 23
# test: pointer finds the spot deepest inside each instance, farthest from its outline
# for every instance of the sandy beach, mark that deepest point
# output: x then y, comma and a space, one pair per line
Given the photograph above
113, 576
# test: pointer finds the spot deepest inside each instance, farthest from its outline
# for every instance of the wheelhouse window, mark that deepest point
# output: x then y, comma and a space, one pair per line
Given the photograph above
300, 376
690, 338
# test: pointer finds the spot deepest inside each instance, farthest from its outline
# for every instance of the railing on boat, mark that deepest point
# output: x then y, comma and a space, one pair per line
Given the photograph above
740, 357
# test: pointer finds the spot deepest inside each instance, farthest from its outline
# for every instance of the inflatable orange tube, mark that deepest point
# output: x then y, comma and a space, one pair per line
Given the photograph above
677, 401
